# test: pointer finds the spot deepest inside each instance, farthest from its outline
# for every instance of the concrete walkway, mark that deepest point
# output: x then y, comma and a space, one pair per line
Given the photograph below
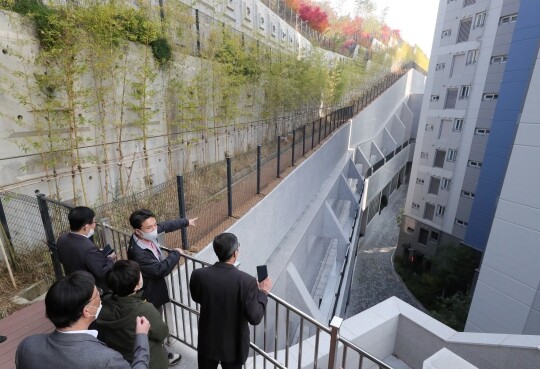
374, 279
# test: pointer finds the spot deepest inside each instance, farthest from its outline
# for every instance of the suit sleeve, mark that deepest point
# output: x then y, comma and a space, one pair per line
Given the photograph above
172, 225
193, 289
153, 268
141, 356
97, 264
254, 303
158, 328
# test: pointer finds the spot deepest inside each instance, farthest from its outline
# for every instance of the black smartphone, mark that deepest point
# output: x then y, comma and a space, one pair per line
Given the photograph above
262, 273
107, 250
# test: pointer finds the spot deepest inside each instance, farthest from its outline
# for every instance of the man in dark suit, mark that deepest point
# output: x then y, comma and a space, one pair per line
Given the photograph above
76, 250
71, 304
229, 299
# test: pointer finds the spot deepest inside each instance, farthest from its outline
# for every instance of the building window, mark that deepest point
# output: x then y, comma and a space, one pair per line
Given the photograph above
461, 222
440, 210
434, 236
474, 164
429, 211
481, 131
490, 96
479, 20
468, 194
499, 59
415, 205
439, 158
452, 155
464, 92
440, 66
445, 184
451, 98
423, 236
446, 33
458, 125
472, 57
508, 19
468, 2
419, 181
434, 98
464, 30
429, 127
434, 184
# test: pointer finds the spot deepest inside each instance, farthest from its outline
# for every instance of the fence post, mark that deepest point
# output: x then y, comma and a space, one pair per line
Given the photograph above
198, 32
182, 209
229, 187
293, 141
335, 324
303, 140
320, 123
3, 221
313, 134
258, 169
49, 234
278, 154
325, 121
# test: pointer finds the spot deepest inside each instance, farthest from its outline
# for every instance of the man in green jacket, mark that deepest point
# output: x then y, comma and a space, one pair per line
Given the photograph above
115, 322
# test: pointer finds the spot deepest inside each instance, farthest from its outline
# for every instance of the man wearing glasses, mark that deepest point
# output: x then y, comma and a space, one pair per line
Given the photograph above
229, 299
77, 251
71, 304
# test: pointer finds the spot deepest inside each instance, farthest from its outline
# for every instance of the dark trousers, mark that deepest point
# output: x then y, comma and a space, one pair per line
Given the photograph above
212, 364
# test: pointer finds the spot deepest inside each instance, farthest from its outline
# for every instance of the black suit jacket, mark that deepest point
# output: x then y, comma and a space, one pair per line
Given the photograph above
229, 299
153, 270
77, 252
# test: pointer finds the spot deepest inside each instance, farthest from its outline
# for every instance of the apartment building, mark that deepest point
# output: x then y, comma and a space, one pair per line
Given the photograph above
476, 167
469, 55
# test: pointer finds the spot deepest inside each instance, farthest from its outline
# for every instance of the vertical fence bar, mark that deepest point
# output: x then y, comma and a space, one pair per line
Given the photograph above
335, 324
3, 221
303, 140
49, 234
278, 154
325, 121
198, 32
182, 209
229, 187
293, 144
320, 123
258, 169
313, 134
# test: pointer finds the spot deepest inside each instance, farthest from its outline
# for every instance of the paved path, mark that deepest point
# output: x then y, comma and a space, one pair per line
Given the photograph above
374, 279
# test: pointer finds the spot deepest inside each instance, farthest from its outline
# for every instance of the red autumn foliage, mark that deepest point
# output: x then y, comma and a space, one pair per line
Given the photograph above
314, 16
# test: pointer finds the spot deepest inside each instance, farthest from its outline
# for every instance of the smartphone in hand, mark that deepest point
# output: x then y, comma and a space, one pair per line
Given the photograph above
107, 250
262, 273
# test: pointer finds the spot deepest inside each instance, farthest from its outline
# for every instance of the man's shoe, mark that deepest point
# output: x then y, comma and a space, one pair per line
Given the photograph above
174, 358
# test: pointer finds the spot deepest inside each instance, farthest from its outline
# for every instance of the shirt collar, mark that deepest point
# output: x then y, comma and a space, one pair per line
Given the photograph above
91, 332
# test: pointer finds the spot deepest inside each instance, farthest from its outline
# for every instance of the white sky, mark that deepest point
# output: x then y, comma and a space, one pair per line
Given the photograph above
414, 18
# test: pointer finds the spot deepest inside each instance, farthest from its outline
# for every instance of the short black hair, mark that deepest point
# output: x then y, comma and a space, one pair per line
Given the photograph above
225, 244
67, 297
137, 218
80, 216
123, 277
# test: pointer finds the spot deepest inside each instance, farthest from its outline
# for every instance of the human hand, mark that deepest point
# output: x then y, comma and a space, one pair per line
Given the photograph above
192, 221
266, 285
112, 256
142, 325
180, 251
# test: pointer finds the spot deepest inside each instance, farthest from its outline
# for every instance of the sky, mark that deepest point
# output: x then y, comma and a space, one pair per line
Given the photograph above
414, 18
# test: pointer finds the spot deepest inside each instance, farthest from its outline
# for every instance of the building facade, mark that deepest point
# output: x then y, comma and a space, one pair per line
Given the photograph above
476, 170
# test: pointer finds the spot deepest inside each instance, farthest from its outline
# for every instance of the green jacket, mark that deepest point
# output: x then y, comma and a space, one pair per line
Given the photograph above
116, 327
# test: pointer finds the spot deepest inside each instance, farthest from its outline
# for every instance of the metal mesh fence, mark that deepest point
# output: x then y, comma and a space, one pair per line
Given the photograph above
23, 223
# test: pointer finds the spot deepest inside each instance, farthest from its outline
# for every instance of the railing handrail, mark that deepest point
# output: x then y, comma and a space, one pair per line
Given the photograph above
351, 345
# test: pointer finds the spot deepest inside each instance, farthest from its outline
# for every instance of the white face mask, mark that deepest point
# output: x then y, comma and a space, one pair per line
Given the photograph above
151, 236
90, 233
98, 310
